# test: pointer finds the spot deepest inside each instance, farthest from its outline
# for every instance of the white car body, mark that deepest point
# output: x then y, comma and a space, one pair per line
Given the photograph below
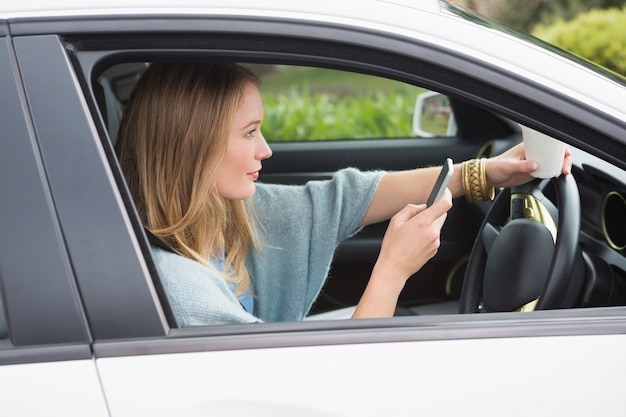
497, 365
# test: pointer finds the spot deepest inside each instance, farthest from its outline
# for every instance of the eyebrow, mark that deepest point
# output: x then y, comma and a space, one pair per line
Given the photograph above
253, 123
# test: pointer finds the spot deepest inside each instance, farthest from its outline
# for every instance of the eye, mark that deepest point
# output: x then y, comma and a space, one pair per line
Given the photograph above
250, 134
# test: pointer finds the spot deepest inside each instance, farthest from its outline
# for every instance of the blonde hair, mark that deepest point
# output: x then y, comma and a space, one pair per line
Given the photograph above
171, 145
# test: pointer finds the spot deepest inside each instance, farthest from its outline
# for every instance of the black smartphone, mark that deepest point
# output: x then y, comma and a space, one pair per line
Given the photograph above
442, 182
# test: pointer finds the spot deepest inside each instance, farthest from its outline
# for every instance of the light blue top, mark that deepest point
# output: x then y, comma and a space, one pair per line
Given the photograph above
246, 300
300, 228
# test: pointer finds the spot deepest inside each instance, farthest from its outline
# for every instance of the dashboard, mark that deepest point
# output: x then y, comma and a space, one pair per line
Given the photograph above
602, 190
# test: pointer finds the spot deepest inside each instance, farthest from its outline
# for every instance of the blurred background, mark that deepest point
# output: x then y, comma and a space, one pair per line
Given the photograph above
592, 29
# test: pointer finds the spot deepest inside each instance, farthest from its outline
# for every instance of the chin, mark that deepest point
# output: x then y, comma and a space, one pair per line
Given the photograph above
243, 194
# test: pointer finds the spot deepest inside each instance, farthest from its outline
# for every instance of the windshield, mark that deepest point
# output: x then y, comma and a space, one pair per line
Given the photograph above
493, 24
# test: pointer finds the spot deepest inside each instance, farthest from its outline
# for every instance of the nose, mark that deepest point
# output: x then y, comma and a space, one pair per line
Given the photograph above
263, 148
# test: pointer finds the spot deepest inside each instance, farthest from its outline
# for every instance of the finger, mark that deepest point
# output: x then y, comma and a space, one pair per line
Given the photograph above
527, 166
409, 211
567, 162
519, 151
439, 207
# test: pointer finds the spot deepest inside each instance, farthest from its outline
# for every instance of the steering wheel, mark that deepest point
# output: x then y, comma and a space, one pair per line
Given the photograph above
527, 254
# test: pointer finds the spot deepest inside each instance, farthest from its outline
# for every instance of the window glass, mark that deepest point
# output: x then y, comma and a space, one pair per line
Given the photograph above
303, 104
315, 104
308, 104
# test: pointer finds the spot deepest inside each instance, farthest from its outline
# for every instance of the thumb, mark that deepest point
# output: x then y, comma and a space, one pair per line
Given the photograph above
409, 211
527, 166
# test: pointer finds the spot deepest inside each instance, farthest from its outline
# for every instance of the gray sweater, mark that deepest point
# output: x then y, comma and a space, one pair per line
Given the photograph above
300, 228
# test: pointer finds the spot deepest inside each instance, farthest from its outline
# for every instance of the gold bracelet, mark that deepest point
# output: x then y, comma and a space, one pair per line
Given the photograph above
474, 180
466, 181
487, 190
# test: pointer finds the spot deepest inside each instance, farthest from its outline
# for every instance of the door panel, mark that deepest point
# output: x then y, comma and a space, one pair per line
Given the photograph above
32, 251
87, 201
63, 389
384, 379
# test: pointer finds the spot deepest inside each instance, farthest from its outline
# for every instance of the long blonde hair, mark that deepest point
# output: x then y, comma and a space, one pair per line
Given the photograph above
171, 144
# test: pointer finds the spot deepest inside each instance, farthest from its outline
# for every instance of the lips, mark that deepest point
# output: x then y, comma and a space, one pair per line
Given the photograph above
254, 175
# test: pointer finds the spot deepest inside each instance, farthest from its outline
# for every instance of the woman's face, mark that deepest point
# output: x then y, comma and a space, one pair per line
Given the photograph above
246, 149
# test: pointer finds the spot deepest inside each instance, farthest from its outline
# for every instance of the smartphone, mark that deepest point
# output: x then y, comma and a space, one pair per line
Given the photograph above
442, 182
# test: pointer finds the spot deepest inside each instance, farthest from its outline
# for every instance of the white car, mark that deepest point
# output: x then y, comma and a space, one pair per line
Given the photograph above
85, 329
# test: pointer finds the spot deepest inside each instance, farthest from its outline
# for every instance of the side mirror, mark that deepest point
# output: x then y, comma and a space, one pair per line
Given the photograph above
433, 116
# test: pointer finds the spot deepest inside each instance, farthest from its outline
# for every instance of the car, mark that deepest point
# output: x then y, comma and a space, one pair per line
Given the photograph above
497, 323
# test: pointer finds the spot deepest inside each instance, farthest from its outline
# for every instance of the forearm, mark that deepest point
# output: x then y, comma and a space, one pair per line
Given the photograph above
411, 239
380, 296
397, 189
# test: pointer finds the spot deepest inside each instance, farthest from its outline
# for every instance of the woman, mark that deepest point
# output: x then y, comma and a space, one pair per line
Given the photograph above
232, 251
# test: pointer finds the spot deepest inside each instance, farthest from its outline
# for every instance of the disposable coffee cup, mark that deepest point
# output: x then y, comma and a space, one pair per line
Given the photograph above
547, 151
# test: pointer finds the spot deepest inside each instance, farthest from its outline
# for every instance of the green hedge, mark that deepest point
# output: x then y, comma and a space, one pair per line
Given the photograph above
598, 35
304, 115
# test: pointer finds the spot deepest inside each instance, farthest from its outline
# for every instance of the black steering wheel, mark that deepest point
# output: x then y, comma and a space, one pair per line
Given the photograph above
526, 256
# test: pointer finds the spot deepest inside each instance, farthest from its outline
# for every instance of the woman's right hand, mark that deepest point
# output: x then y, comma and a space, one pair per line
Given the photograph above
412, 239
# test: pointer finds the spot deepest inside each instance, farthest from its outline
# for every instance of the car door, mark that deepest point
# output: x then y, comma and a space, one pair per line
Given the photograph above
442, 364
452, 377
46, 366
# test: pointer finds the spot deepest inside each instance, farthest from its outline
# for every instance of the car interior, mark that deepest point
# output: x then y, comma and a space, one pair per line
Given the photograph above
462, 277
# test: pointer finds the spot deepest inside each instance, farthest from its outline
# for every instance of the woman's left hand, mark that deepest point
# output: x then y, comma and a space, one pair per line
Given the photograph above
511, 168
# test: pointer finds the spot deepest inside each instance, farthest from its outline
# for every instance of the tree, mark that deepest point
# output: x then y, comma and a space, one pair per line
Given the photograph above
598, 35
526, 14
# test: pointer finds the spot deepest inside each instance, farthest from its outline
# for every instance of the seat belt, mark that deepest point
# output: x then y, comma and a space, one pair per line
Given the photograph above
158, 242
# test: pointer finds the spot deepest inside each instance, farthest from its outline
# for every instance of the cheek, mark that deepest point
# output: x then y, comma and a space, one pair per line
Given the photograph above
238, 153
235, 160
232, 182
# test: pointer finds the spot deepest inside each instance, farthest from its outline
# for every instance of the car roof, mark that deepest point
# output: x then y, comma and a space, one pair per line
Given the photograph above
430, 21
321, 7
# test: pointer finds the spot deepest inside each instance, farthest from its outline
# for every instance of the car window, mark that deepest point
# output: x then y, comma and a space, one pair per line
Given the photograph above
341, 111
486, 114
317, 104
308, 104
330, 107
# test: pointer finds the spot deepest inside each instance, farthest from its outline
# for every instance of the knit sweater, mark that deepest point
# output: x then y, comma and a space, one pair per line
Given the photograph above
300, 228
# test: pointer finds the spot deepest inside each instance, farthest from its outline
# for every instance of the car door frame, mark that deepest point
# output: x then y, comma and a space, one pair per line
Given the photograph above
440, 70
139, 311
83, 47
